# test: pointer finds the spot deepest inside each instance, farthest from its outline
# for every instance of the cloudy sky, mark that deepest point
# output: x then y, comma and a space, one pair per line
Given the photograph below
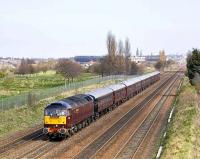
64, 28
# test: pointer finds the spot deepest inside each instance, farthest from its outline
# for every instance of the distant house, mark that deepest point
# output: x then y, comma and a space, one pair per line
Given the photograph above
87, 64
150, 58
138, 59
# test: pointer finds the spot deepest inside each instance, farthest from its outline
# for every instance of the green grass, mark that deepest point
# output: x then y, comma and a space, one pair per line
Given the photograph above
183, 139
19, 84
21, 118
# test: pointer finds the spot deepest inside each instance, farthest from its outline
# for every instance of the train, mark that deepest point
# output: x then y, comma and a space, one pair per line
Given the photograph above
67, 116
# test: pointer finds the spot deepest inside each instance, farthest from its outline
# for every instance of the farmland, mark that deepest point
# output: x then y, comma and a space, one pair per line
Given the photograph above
19, 84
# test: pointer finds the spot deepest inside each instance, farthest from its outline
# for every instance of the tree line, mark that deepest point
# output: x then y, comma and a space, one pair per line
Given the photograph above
28, 66
117, 60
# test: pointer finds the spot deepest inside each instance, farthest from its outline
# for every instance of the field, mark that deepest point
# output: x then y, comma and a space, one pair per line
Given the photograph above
183, 139
18, 84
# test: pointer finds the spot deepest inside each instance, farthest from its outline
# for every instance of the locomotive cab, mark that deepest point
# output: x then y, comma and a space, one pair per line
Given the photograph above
55, 119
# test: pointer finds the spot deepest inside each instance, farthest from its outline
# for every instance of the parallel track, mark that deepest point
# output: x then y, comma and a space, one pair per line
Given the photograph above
98, 144
133, 143
21, 141
156, 130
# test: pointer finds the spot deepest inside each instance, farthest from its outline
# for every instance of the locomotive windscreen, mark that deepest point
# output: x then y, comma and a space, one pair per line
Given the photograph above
56, 110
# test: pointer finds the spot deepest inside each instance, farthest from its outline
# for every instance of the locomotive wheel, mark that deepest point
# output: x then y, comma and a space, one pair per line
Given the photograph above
71, 132
86, 123
89, 121
75, 129
83, 124
79, 127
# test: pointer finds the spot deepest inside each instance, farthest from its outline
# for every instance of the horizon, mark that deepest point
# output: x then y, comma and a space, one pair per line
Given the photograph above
55, 29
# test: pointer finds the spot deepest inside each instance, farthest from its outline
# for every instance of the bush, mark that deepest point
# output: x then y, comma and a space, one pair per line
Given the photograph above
2, 74
193, 67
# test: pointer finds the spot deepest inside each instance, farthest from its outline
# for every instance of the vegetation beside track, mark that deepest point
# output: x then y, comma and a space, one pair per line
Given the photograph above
21, 118
183, 136
18, 84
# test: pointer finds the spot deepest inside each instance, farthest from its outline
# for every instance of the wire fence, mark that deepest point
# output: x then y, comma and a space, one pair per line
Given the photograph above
31, 98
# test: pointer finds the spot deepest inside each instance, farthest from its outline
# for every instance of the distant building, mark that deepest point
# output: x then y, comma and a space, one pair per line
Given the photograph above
85, 59
152, 58
138, 59
88, 64
9, 63
163, 57
155, 58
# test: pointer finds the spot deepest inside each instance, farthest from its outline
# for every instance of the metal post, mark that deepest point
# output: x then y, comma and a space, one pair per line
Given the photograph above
2, 109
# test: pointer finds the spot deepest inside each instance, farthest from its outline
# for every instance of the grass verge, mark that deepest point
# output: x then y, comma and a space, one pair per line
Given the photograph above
183, 137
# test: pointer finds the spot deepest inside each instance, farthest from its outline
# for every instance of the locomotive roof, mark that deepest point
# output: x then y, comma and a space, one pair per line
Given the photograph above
115, 87
70, 102
100, 92
59, 104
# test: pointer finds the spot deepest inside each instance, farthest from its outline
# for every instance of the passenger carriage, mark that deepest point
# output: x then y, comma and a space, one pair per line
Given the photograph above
103, 100
119, 93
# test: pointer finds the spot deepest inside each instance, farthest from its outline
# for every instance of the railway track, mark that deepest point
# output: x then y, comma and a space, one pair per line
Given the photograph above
36, 151
91, 150
133, 144
147, 148
21, 141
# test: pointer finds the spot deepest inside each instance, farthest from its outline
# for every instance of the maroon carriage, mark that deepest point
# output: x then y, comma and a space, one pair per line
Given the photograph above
119, 92
103, 100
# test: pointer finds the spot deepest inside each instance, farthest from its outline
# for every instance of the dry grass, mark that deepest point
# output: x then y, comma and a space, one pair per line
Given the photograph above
183, 139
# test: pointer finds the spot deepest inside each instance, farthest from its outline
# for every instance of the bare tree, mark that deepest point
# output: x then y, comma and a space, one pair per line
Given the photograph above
136, 69
111, 47
117, 61
68, 69
26, 67
127, 52
74, 70
120, 63
43, 66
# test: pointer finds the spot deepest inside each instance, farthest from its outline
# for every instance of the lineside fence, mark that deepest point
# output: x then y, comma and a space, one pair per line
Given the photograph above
31, 98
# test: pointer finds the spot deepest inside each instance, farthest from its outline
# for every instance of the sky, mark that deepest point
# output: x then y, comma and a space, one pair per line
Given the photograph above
66, 28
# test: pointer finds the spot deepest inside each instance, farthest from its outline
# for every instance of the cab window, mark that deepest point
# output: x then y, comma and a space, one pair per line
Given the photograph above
56, 112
